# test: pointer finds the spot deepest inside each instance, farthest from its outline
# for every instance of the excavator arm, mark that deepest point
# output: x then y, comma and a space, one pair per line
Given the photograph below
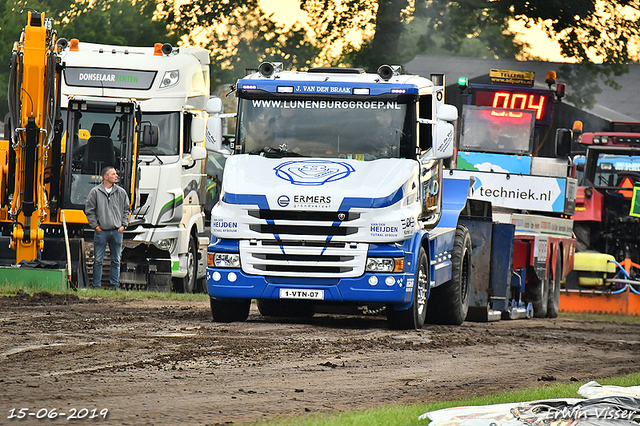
32, 175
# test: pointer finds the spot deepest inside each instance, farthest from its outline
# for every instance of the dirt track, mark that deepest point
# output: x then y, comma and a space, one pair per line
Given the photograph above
158, 362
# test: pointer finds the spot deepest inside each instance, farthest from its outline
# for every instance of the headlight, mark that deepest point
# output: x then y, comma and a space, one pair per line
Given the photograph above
166, 244
223, 260
385, 264
170, 78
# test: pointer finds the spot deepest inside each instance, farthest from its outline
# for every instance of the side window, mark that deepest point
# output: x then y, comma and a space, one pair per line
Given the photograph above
425, 110
186, 132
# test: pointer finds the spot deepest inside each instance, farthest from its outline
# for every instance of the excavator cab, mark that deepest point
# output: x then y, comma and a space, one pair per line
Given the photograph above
99, 135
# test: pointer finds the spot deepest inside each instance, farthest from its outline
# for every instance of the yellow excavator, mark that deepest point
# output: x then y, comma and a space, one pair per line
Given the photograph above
31, 158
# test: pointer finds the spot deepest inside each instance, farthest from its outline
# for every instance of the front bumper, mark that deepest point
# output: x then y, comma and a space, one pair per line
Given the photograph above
223, 283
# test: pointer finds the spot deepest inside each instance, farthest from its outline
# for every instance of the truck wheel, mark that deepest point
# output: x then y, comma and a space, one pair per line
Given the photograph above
553, 303
415, 316
188, 283
201, 285
230, 310
285, 308
537, 293
449, 303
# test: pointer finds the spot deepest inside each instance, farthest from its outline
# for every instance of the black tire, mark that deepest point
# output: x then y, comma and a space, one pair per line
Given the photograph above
449, 303
583, 236
415, 316
201, 285
537, 293
230, 310
553, 303
188, 283
285, 308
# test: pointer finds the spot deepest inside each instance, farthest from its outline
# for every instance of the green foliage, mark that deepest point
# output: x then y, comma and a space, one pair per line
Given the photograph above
240, 35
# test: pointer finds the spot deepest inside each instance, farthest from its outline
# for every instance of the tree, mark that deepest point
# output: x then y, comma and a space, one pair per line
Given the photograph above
119, 22
239, 35
586, 29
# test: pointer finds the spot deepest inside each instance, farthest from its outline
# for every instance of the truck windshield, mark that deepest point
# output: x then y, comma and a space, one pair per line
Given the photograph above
168, 133
361, 130
617, 173
496, 130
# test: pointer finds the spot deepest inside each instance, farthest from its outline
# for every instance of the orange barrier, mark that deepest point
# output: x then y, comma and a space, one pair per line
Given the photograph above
619, 302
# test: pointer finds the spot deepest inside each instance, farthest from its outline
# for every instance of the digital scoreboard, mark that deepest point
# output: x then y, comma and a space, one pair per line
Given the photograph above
539, 101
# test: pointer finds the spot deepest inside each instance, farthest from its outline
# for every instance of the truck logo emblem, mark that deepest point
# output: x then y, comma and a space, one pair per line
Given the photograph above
341, 216
283, 201
313, 172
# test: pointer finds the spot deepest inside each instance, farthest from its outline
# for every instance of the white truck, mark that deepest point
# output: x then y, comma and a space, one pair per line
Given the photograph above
335, 195
113, 99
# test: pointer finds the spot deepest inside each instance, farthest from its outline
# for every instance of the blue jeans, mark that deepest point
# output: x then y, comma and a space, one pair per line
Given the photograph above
113, 237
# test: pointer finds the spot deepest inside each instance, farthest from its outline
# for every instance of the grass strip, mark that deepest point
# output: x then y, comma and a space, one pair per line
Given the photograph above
8, 289
407, 415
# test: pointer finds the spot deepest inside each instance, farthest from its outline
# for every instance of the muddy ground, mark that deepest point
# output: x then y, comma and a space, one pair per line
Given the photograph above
160, 362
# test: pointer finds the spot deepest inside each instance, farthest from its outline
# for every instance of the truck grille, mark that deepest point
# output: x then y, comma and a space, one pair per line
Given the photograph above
304, 230
303, 258
304, 215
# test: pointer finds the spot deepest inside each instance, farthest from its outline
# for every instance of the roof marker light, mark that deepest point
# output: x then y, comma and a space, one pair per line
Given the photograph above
551, 78
361, 91
285, 89
463, 83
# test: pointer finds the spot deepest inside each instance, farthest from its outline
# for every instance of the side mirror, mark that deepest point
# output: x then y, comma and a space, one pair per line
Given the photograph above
447, 112
198, 152
443, 140
213, 141
214, 106
197, 130
149, 135
563, 142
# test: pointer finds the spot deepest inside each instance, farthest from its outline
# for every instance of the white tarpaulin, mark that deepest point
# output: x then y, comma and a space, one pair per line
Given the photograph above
604, 405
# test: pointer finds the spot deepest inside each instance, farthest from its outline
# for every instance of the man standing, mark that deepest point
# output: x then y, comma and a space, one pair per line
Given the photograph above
107, 210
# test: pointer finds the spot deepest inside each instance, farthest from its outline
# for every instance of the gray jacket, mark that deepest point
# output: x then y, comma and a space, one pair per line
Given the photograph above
109, 211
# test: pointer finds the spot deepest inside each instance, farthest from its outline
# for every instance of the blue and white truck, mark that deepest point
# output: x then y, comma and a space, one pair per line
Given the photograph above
336, 195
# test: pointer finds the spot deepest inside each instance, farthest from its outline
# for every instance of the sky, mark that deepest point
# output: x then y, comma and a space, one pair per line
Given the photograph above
288, 11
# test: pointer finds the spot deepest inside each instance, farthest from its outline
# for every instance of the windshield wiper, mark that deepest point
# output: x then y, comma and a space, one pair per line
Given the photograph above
275, 153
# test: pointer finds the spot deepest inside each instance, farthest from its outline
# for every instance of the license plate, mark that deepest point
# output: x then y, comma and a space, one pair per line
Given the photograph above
288, 293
